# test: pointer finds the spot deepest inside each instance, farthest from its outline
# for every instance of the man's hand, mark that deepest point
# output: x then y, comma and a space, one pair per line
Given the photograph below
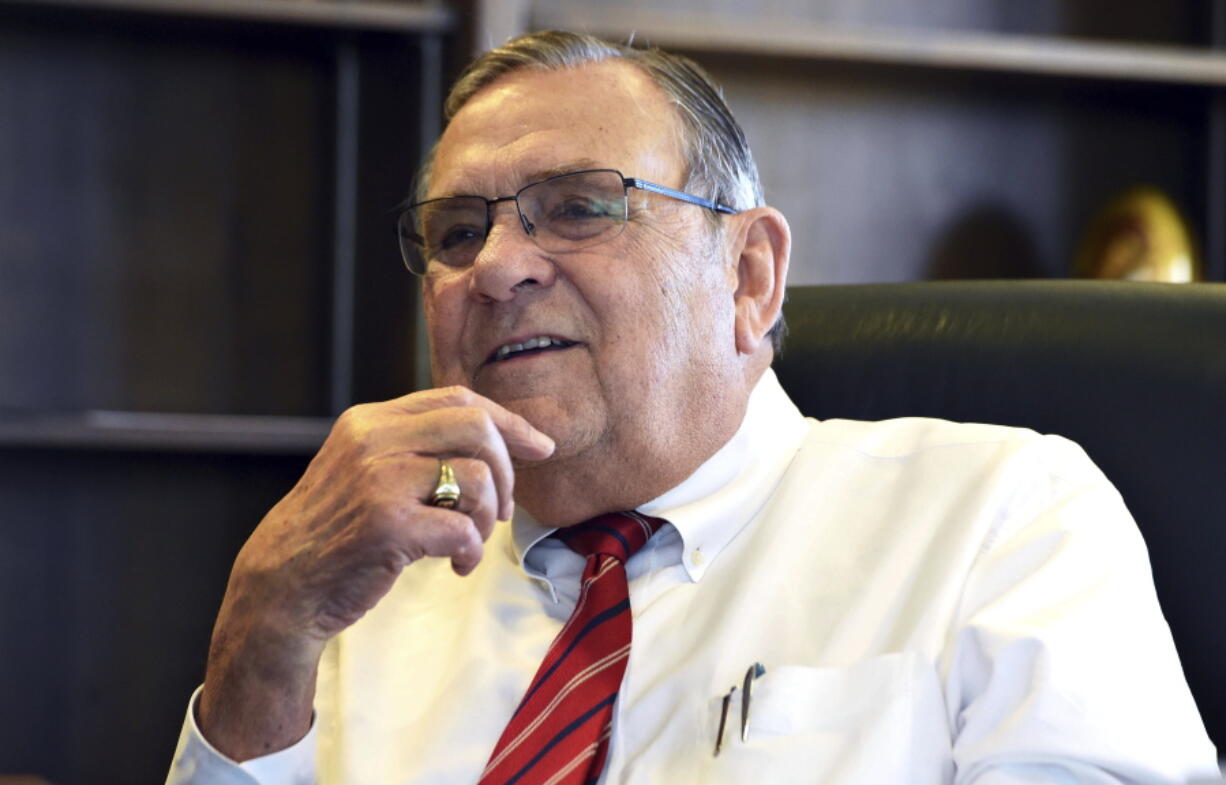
333, 547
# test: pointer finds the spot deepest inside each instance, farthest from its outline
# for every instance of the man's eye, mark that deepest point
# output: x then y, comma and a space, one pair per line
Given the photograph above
582, 209
454, 237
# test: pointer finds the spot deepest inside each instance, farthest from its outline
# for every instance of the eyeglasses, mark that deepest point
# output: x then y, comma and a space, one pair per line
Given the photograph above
564, 213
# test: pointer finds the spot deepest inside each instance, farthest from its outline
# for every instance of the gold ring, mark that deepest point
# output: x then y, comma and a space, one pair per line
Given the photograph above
447, 492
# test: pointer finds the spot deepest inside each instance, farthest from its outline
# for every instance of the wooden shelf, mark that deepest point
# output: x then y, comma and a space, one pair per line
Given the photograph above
1021, 54
360, 14
112, 430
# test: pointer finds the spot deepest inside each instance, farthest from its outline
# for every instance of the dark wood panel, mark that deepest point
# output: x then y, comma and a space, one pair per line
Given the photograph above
335, 14
393, 99
168, 212
894, 174
112, 567
1168, 23
35, 614
165, 218
213, 433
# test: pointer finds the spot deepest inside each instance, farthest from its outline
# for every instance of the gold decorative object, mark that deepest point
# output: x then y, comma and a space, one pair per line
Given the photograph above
1139, 236
447, 492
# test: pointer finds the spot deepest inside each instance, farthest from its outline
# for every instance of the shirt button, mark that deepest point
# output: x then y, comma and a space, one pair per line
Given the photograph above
696, 558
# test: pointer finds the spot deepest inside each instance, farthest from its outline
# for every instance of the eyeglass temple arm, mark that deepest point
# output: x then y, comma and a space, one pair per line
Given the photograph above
644, 185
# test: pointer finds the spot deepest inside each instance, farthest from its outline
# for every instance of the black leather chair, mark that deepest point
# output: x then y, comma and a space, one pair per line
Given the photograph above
1135, 373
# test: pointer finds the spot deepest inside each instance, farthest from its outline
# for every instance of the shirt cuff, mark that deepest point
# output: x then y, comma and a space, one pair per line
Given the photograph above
196, 762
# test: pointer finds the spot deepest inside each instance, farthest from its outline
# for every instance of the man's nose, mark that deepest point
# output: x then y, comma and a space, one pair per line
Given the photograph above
509, 263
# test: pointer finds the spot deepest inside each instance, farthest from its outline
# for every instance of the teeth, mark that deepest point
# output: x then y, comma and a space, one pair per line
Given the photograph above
541, 342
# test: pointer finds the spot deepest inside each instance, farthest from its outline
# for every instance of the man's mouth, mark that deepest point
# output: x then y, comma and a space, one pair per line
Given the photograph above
543, 343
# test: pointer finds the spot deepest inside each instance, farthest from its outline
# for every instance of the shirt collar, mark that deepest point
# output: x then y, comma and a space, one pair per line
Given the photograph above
710, 506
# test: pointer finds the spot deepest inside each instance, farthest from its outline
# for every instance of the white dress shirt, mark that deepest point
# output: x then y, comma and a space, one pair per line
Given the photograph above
932, 602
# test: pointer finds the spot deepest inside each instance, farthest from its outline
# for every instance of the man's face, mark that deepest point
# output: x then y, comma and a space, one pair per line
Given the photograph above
650, 312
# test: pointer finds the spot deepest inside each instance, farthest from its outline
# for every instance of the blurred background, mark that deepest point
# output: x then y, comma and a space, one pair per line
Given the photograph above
198, 271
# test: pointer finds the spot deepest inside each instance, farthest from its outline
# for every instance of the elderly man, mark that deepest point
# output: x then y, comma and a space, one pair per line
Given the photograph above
698, 585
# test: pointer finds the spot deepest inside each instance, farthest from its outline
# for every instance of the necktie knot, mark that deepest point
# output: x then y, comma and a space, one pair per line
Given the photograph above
616, 534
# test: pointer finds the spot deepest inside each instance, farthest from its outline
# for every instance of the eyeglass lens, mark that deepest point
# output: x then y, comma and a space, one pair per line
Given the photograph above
563, 213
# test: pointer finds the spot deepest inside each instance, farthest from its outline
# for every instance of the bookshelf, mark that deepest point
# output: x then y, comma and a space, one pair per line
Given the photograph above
197, 274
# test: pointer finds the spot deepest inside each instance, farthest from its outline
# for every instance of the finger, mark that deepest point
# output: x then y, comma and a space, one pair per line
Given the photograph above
416, 529
445, 534
453, 421
522, 438
418, 477
468, 432
463, 432
467, 559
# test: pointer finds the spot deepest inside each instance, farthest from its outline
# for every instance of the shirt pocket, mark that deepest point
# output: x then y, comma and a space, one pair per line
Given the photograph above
881, 720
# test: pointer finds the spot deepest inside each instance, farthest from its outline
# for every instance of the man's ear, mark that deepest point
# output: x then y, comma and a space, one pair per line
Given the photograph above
763, 246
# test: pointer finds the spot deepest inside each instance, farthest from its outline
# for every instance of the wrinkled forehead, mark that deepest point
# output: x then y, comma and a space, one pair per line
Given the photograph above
534, 123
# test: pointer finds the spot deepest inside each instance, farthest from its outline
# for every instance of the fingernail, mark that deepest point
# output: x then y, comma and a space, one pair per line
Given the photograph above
544, 441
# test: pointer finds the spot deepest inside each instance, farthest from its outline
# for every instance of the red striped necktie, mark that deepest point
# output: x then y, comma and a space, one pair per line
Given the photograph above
559, 735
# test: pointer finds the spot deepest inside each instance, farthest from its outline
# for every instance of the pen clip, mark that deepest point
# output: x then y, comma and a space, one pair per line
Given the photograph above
755, 670
723, 721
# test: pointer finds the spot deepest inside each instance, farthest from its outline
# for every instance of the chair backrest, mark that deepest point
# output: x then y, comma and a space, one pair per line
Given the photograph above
1135, 373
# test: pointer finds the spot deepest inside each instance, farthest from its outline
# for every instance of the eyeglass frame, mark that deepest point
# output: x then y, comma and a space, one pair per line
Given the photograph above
528, 227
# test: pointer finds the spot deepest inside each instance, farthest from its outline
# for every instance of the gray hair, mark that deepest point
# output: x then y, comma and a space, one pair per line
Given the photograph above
719, 163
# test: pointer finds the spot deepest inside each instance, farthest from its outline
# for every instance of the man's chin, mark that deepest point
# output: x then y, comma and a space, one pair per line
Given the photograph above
545, 412
570, 426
